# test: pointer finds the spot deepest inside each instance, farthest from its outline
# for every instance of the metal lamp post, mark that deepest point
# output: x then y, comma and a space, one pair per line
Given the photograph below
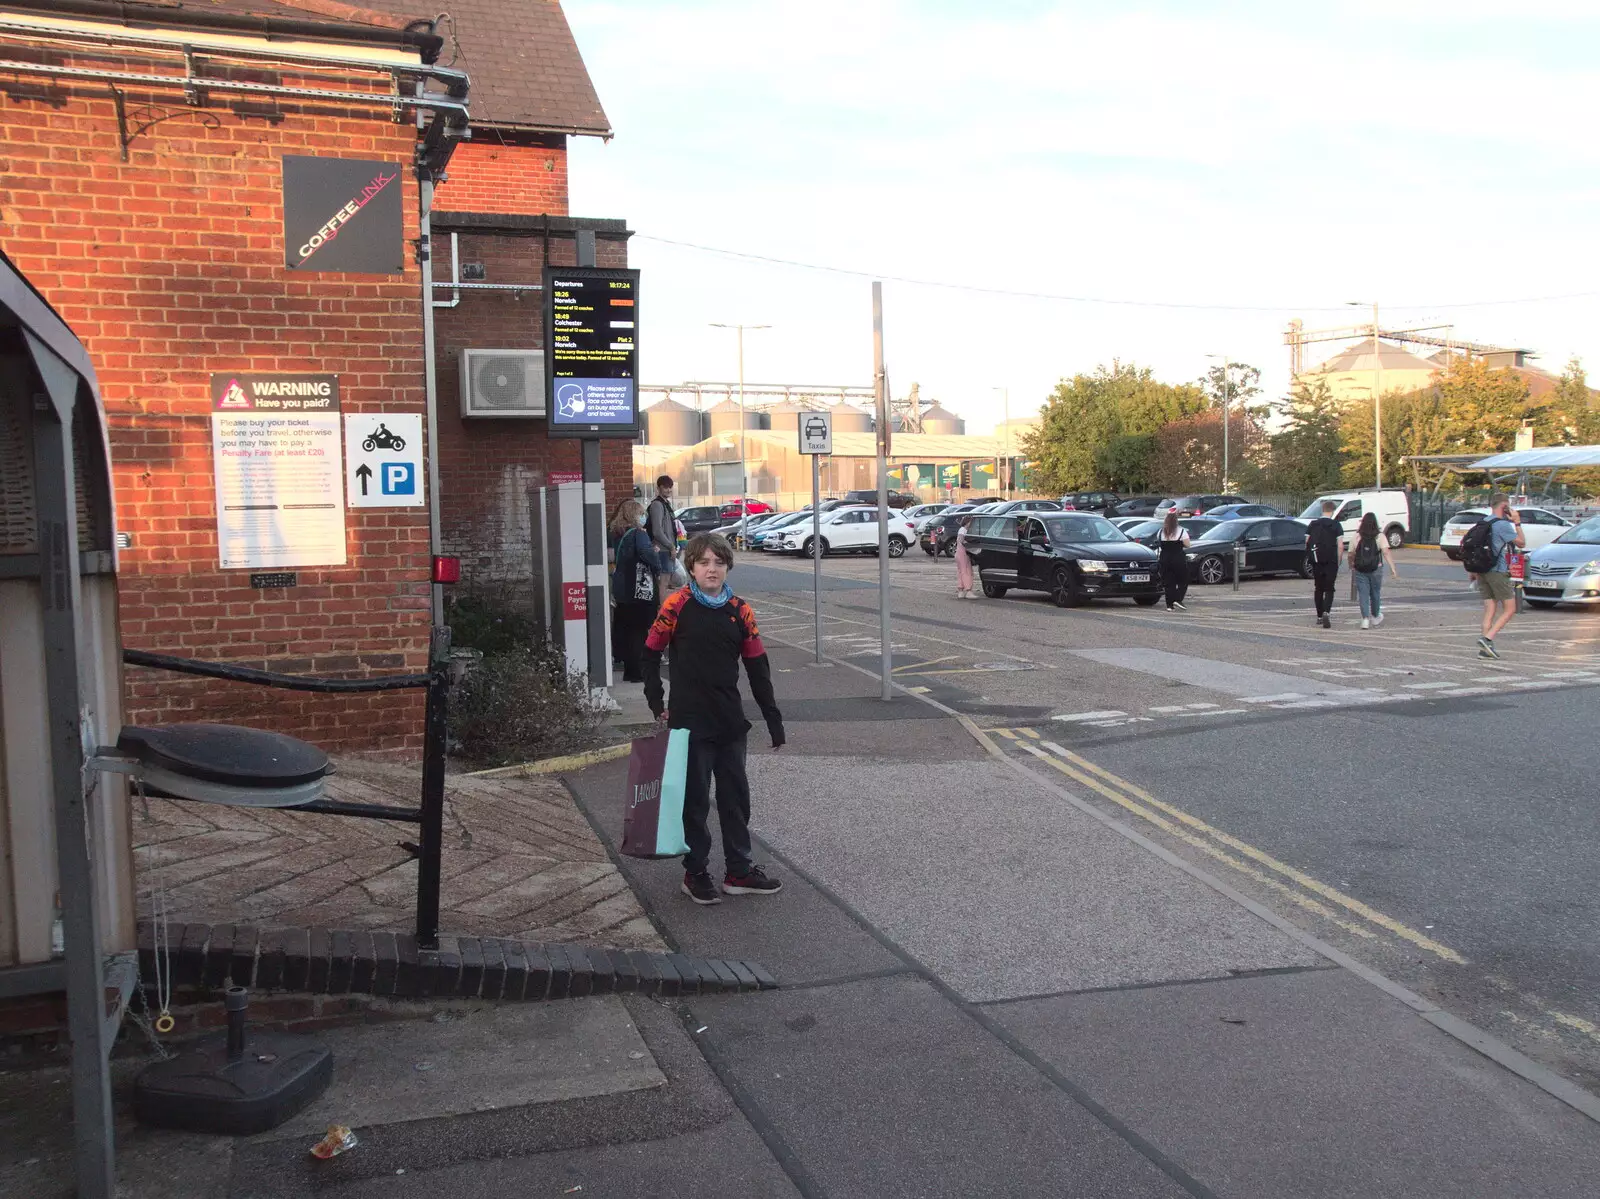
1225, 389
744, 441
1377, 395
1005, 423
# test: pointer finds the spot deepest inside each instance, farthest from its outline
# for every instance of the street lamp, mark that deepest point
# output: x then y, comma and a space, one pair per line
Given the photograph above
1005, 423
1224, 358
1377, 394
744, 458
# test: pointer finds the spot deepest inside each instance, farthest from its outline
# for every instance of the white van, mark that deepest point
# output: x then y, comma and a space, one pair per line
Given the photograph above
1392, 509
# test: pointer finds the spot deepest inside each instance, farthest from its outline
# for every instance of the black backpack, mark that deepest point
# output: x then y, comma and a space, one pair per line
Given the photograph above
1368, 556
1477, 548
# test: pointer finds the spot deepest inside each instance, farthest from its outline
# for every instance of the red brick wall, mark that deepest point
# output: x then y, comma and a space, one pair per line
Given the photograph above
487, 466
507, 173
169, 267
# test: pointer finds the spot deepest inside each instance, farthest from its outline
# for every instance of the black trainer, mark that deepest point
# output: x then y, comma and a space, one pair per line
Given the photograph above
700, 888
752, 882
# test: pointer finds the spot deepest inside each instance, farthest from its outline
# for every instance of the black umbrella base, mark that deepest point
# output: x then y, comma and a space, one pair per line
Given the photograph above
201, 1090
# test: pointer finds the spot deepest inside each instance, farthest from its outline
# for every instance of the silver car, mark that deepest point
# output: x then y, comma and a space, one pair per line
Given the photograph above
1567, 571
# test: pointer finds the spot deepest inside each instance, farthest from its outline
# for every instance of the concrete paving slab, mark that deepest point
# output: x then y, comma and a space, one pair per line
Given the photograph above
885, 1089
798, 934
492, 1057
998, 887
1312, 1084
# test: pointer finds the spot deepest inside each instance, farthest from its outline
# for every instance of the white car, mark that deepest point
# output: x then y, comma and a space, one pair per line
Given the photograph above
1392, 509
843, 530
917, 512
1539, 528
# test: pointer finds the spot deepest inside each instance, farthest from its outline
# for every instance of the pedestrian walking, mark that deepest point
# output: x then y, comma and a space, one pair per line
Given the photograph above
1173, 562
1367, 560
1325, 544
661, 522
711, 630
634, 587
963, 561
1486, 553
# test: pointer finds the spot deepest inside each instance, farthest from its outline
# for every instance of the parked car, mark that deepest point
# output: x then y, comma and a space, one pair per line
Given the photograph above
1005, 507
897, 499
1196, 505
843, 530
1567, 571
751, 523
1540, 527
699, 520
1124, 523
733, 510
1147, 532
1074, 556
952, 510
1103, 502
937, 535
1236, 511
1272, 546
1392, 509
917, 512
1139, 505
786, 520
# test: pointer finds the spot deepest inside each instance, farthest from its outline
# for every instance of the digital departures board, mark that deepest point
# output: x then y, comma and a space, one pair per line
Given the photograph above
592, 351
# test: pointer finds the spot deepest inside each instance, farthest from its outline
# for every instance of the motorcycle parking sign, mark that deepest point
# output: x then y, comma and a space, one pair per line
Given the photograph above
383, 460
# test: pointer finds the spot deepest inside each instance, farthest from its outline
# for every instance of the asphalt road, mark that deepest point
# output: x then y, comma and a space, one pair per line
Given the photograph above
1426, 811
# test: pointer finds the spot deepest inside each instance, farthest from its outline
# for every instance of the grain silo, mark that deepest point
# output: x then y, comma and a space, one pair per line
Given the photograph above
725, 418
671, 423
847, 418
787, 415
942, 421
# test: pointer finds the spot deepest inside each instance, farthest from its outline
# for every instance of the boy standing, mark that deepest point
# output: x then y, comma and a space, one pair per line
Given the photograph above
1325, 544
711, 631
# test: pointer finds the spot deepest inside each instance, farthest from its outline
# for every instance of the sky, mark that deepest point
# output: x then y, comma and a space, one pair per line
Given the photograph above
1167, 180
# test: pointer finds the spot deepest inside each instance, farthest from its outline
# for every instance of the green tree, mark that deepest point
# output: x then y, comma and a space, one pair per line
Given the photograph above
1304, 456
1123, 463
1240, 383
1086, 413
1188, 453
1483, 406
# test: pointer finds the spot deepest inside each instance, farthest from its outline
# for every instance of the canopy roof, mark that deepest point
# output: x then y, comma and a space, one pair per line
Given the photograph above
1548, 458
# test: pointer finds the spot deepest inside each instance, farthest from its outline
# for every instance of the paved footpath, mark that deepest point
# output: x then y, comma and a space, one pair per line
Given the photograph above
990, 989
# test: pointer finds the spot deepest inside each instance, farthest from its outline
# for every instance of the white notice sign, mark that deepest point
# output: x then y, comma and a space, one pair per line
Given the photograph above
383, 459
816, 432
277, 461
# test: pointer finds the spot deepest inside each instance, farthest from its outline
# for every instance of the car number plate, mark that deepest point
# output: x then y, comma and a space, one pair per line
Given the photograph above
1135, 578
1543, 584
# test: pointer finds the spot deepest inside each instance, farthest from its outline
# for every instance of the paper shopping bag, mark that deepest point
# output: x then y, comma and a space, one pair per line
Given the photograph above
652, 826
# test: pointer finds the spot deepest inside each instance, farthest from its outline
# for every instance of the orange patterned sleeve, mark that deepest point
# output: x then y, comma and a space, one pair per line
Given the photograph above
752, 635
666, 624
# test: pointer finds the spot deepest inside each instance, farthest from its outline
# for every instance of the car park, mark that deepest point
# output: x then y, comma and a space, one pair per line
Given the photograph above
1540, 527
844, 530
758, 536
1392, 508
1237, 511
1567, 571
1103, 502
1148, 532
1271, 546
1073, 556
869, 495
733, 510
749, 525
917, 512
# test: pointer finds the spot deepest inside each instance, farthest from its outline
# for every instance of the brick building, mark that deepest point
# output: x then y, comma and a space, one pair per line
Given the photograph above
151, 215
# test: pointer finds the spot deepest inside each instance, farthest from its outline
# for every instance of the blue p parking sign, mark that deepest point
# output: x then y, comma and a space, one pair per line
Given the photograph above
399, 478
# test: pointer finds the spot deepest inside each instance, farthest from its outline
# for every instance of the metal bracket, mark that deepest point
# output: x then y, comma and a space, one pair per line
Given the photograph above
125, 136
191, 93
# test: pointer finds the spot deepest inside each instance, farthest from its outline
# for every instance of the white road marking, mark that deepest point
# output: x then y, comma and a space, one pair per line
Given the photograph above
1271, 699
1427, 686
1077, 717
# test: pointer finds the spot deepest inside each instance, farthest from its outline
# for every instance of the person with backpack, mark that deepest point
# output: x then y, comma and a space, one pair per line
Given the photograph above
711, 630
1486, 553
1367, 561
1325, 544
1172, 563
633, 587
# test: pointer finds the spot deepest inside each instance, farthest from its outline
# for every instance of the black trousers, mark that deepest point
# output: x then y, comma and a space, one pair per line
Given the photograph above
1323, 576
632, 625
1174, 574
722, 762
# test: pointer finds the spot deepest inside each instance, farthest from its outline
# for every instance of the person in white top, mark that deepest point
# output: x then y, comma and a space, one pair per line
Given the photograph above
963, 562
1173, 563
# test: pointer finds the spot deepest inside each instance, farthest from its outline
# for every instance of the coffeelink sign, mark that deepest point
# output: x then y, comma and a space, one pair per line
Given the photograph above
342, 214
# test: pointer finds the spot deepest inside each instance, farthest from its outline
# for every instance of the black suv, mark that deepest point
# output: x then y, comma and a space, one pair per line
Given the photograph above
1103, 502
897, 499
1075, 556
1197, 505
701, 519
1139, 505
1270, 547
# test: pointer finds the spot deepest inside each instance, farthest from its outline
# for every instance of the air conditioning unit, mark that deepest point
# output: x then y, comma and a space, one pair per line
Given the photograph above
502, 383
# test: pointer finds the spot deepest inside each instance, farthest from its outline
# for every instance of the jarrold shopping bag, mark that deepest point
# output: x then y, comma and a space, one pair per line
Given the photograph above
652, 826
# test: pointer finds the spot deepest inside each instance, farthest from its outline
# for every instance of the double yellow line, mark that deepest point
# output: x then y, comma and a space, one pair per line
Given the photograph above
1306, 892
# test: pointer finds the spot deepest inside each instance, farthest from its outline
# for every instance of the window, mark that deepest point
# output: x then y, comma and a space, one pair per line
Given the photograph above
1351, 510
1004, 527
1069, 530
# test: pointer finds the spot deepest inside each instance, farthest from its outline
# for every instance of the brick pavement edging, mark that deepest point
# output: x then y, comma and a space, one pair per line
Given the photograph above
337, 962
